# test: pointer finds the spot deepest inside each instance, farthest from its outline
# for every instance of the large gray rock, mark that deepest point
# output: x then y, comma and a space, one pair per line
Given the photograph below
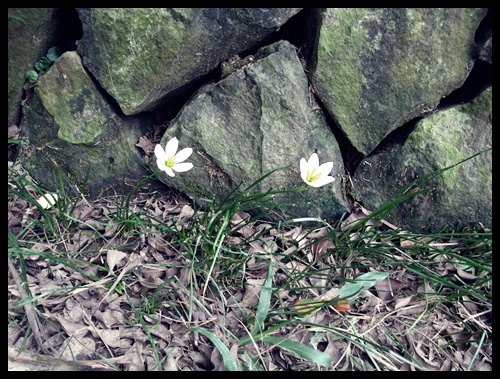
260, 118
68, 125
379, 68
462, 194
261, 115
143, 56
31, 33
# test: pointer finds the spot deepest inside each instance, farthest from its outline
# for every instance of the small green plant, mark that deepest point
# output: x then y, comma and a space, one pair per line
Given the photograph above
330, 296
17, 18
41, 67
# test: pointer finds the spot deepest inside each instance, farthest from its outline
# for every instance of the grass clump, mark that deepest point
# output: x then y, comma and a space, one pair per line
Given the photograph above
144, 282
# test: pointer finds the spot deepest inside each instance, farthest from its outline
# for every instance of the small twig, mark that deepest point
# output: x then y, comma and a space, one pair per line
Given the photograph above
366, 212
29, 309
129, 267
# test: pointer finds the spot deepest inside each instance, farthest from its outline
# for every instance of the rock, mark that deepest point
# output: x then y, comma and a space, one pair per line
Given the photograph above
31, 31
68, 125
461, 194
372, 71
146, 56
260, 118
378, 68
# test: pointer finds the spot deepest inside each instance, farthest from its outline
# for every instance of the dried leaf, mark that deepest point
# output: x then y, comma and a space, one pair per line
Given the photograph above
469, 305
400, 303
405, 242
158, 243
186, 214
146, 145
318, 233
466, 275
73, 329
386, 288
252, 291
80, 349
429, 364
110, 229
110, 318
351, 220
111, 337
13, 132
82, 211
152, 272
319, 248
240, 218
40, 247
246, 231
113, 257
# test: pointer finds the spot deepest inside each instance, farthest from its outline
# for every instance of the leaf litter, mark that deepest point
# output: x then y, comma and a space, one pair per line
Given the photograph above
125, 304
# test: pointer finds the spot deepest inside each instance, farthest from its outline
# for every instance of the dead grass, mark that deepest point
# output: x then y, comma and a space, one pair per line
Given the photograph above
139, 285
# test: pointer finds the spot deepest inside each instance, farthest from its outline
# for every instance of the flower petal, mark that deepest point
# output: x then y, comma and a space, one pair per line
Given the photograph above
303, 169
314, 174
181, 167
325, 168
160, 153
169, 171
161, 164
313, 161
171, 147
322, 181
47, 200
182, 155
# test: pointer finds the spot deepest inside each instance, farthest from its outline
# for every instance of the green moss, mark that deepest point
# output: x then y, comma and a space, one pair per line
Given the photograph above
447, 136
481, 105
196, 188
67, 94
378, 68
427, 60
340, 43
127, 47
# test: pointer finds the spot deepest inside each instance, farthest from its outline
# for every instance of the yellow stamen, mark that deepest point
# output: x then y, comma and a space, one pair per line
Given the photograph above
170, 162
311, 176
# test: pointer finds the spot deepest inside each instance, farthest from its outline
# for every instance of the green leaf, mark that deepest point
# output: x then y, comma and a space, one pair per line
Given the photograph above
229, 361
265, 301
252, 363
14, 17
54, 53
32, 76
42, 64
361, 283
300, 350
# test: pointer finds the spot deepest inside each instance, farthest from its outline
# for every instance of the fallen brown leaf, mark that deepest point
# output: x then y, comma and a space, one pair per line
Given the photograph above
386, 288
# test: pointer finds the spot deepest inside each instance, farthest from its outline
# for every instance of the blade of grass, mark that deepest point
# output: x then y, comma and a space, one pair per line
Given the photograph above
300, 350
265, 301
479, 345
229, 362
361, 283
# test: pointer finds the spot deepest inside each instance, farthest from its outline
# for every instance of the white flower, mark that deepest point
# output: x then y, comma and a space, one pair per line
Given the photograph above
169, 160
314, 174
47, 200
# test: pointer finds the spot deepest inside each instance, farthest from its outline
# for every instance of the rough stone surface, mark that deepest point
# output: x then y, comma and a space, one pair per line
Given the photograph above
143, 56
260, 118
258, 112
68, 123
438, 141
30, 33
376, 69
